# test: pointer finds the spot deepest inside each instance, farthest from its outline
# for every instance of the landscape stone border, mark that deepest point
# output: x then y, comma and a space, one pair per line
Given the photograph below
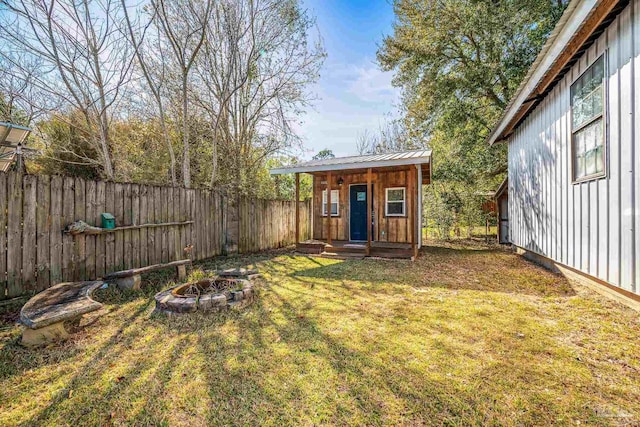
168, 303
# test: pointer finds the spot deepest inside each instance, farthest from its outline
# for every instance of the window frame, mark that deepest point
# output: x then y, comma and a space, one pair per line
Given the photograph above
602, 116
403, 201
336, 201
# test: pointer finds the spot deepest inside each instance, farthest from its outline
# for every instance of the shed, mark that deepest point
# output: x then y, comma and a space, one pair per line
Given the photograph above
368, 205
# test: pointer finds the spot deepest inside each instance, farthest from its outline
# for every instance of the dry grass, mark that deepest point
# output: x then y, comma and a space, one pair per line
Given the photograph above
467, 335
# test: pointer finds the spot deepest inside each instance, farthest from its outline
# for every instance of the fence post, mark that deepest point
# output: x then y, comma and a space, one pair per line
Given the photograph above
230, 222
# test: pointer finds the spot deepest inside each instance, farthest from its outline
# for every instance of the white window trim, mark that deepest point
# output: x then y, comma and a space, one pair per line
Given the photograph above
403, 201
602, 116
335, 200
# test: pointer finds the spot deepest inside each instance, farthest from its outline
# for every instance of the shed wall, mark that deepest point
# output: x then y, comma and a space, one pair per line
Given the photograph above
386, 229
591, 226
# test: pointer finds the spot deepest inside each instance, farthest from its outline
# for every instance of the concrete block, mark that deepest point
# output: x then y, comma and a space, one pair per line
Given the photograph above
46, 335
132, 282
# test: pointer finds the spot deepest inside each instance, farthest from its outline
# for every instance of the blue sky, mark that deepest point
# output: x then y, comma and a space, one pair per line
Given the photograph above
354, 94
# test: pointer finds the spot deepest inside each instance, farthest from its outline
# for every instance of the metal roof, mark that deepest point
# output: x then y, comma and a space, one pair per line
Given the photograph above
414, 157
10, 136
570, 23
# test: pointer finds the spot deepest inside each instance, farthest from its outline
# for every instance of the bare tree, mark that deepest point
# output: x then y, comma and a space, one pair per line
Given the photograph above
390, 136
256, 65
149, 54
184, 24
87, 58
20, 100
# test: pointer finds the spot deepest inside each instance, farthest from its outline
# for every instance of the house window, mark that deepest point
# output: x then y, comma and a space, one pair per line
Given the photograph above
335, 197
587, 123
395, 203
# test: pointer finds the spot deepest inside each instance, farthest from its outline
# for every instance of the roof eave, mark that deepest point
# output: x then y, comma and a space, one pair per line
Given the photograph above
571, 21
351, 166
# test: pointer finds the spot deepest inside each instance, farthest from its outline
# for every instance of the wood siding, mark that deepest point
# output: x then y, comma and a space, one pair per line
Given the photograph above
34, 210
386, 229
591, 226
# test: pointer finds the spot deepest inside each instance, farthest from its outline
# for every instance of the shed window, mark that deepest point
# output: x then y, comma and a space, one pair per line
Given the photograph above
335, 196
395, 202
587, 123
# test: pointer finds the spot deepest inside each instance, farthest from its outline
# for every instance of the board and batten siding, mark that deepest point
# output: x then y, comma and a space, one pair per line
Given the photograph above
590, 226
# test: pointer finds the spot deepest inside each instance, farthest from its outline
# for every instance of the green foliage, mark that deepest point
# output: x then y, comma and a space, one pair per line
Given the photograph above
9, 113
324, 154
284, 186
450, 206
458, 63
66, 148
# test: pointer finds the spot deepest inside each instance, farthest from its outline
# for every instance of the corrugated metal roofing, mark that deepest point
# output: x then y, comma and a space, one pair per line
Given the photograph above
522, 92
10, 135
413, 157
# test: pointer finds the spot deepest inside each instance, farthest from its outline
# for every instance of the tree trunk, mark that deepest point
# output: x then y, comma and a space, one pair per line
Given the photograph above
165, 135
214, 161
104, 144
186, 161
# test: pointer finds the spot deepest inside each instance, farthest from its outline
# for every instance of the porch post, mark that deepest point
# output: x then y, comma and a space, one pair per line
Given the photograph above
329, 207
369, 209
297, 208
412, 209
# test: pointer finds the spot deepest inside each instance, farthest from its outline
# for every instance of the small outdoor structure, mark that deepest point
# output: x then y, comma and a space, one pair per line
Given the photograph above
375, 204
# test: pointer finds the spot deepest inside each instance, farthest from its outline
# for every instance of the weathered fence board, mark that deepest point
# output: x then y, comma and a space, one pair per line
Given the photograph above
101, 239
90, 241
79, 264
43, 237
110, 238
3, 233
55, 237
14, 235
36, 253
29, 188
143, 218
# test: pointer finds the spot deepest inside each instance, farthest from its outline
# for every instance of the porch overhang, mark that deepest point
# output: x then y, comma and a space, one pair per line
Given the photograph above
579, 27
373, 161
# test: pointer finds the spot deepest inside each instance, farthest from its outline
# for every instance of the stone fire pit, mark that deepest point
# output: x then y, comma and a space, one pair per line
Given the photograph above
217, 294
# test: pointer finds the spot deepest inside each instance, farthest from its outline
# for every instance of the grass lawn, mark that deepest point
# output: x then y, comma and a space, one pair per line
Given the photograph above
478, 232
466, 335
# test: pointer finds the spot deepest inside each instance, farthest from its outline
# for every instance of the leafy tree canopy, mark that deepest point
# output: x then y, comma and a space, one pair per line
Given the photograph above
459, 62
324, 154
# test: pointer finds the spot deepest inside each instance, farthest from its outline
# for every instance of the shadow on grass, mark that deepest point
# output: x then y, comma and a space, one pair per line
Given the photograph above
285, 359
490, 269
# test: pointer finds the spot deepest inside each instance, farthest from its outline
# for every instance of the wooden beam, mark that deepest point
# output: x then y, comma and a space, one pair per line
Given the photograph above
412, 210
369, 209
329, 207
297, 208
97, 230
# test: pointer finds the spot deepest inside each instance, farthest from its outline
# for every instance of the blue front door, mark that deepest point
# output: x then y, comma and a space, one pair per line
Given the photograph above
358, 218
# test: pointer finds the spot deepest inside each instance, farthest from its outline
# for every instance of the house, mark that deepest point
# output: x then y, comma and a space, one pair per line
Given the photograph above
367, 205
574, 160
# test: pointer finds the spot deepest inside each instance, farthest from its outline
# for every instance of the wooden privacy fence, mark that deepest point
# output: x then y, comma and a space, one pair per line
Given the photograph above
153, 225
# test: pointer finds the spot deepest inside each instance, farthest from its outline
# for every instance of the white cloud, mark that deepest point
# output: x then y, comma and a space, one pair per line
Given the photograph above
352, 99
373, 85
